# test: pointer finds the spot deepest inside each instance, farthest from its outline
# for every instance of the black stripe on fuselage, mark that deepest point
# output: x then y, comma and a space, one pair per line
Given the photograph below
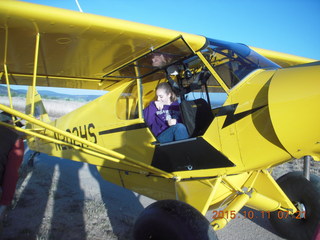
231, 118
125, 128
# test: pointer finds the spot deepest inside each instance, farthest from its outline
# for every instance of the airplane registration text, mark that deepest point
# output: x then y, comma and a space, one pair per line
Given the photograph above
85, 132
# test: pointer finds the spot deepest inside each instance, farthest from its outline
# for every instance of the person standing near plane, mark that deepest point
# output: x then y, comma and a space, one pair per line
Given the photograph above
11, 156
163, 116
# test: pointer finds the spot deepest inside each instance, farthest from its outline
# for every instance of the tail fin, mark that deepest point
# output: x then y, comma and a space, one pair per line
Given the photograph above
37, 109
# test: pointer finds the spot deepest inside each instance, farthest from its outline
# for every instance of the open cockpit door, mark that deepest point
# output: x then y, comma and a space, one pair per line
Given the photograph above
191, 79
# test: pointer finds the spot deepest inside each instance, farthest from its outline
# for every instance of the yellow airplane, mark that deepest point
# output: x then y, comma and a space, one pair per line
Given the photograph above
247, 110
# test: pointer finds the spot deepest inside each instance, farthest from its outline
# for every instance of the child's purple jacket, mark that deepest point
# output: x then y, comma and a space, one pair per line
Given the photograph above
157, 119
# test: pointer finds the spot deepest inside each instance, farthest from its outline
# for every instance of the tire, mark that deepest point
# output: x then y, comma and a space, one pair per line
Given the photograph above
306, 193
172, 219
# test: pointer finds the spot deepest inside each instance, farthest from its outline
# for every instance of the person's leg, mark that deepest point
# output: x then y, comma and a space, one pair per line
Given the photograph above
180, 132
166, 136
173, 133
11, 175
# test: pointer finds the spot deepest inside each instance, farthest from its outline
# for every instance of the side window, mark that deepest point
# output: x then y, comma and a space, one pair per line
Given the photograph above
127, 104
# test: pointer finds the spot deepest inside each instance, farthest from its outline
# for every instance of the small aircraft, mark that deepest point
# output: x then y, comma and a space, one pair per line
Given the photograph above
247, 110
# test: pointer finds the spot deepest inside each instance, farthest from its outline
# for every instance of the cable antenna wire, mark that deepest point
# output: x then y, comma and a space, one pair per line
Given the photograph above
80, 9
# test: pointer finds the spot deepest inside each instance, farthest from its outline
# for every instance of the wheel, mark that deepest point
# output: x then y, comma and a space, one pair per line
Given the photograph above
306, 197
172, 219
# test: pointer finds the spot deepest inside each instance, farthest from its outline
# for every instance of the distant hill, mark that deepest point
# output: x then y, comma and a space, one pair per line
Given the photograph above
48, 95
3, 90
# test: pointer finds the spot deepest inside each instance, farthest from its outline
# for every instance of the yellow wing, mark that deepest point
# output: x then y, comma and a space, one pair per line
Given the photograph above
75, 49
283, 59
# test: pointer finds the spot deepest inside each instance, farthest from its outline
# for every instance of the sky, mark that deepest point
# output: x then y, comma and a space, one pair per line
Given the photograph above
286, 26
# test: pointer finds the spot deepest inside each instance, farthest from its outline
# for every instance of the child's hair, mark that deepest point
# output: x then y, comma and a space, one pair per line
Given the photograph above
166, 86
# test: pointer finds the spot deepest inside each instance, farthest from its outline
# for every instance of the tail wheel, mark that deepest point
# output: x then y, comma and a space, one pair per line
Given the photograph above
172, 219
306, 197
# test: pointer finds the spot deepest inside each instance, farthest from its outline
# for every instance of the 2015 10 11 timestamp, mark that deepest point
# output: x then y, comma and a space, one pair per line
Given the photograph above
250, 214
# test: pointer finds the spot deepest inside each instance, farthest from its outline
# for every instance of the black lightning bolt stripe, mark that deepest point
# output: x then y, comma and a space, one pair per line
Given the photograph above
125, 128
231, 117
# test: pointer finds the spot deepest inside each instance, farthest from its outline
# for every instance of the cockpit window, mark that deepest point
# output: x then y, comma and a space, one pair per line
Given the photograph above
176, 51
233, 61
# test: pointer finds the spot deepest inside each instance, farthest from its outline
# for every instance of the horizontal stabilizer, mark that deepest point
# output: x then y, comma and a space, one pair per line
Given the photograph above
34, 105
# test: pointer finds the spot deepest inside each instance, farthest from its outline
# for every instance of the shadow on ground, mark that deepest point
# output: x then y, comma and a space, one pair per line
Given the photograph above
63, 199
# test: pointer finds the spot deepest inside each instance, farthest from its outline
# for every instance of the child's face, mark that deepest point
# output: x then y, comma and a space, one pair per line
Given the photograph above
163, 97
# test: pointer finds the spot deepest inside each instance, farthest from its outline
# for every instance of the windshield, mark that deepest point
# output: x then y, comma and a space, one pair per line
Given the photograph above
234, 61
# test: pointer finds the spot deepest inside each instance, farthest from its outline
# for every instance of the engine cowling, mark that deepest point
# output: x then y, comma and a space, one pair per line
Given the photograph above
294, 103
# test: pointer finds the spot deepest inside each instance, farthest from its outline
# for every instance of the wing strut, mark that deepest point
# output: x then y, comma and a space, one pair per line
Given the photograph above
96, 150
6, 69
35, 68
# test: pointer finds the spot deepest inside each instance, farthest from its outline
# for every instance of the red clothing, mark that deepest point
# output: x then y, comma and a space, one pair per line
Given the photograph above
10, 175
317, 233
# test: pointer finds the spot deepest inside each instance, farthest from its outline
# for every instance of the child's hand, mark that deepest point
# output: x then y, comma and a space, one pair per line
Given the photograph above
159, 105
172, 122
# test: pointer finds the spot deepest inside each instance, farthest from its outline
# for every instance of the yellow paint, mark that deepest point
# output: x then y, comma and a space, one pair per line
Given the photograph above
270, 117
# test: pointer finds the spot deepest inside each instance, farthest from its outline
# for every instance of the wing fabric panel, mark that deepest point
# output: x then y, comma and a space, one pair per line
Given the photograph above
77, 49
